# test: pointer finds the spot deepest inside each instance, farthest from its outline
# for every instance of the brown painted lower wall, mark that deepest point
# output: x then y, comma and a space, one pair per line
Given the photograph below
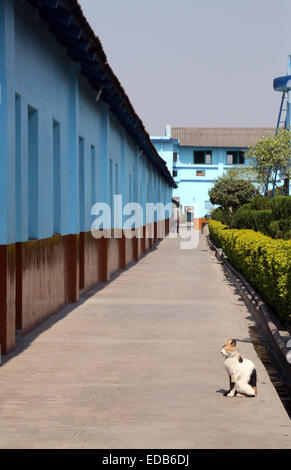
114, 263
43, 281
92, 259
129, 247
149, 236
7, 297
38, 278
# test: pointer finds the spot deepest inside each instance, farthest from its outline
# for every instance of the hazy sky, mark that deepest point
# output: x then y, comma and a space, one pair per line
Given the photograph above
196, 62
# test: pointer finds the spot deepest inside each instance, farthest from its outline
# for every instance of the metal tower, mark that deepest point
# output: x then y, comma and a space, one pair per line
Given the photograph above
283, 85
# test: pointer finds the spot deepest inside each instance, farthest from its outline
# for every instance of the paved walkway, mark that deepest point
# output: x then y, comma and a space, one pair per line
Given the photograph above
138, 365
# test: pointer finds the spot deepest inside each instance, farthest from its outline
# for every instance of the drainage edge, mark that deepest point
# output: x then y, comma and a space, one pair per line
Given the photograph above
261, 312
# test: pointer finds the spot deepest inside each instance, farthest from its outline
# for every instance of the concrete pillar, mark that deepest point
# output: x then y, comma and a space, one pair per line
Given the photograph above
137, 197
72, 241
7, 124
104, 163
73, 154
123, 192
7, 178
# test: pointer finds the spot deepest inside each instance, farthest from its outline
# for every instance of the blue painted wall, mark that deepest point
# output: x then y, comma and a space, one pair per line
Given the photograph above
192, 189
36, 75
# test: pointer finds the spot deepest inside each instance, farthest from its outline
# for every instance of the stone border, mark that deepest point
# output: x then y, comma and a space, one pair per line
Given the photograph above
267, 321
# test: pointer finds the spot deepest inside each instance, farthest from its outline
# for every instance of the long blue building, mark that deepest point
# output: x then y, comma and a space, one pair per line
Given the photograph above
197, 156
69, 138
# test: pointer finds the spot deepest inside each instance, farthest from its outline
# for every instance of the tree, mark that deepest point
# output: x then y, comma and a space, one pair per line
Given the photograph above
248, 173
231, 192
271, 156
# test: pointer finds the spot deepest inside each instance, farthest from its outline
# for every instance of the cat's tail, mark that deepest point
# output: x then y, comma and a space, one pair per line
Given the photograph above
253, 381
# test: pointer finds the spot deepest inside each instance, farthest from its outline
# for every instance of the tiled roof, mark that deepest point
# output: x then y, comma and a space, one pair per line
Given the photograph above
241, 137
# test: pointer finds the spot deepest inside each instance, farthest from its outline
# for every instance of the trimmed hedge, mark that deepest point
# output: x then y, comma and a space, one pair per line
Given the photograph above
265, 263
265, 215
281, 207
258, 220
280, 229
260, 202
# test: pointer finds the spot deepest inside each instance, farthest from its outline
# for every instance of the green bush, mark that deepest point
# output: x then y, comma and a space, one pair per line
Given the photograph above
258, 220
265, 263
281, 229
221, 215
268, 216
217, 214
240, 218
262, 220
281, 207
261, 203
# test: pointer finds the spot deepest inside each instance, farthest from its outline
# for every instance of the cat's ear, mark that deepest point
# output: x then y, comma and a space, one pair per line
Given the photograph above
233, 343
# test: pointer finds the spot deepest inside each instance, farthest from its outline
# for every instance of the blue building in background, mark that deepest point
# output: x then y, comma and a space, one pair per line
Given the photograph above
197, 156
69, 138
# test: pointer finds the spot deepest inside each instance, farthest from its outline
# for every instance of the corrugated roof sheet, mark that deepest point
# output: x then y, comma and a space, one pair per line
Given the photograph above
241, 137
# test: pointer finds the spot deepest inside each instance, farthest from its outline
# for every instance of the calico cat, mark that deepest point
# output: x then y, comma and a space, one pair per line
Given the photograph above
242, 372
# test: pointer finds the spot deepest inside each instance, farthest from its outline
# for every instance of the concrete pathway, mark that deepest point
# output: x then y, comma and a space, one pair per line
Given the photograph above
138, 365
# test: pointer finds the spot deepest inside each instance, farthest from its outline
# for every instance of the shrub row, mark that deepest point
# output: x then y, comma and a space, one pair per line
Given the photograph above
258, 220
261, 203
280, 229
265, 263
269, 216
281, 207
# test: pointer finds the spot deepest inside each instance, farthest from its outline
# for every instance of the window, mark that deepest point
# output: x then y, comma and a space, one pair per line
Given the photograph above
129, 189
208, 158
82, 183
235, 158
140, 193
82, 218
117, 188
116, 179
175, 173
18, 183
199, 158
57, 176
241, 158
175, 157
202, 157
135, 185
93, 175
200, 173
111, 191
33, 180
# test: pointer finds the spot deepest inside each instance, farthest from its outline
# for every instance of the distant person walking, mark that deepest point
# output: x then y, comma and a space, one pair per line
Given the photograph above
176, 220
